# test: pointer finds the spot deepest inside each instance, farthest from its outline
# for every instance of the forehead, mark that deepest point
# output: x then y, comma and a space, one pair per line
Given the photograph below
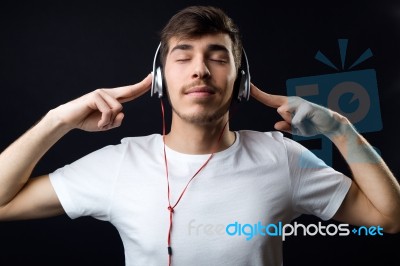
202, 42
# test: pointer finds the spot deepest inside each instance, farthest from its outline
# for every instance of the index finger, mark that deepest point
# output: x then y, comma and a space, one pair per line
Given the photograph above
130, 92
270, 100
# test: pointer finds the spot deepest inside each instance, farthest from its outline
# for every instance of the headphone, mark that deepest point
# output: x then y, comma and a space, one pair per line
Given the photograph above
241, 87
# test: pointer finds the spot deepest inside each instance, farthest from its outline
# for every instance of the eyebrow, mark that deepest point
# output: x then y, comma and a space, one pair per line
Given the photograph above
210, 47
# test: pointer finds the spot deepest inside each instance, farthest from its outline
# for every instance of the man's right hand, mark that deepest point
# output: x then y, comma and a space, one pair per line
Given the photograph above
101, 109
22, 197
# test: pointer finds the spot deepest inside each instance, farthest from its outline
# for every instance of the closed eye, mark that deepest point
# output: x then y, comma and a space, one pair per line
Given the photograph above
182, 60
220, 61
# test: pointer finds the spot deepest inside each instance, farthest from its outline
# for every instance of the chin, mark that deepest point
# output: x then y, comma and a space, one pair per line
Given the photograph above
201, 117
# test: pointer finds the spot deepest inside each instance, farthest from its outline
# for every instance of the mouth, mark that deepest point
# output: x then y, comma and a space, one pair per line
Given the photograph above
200, 91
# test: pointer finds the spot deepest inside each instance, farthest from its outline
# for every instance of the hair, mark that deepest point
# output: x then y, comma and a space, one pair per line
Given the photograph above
196, 21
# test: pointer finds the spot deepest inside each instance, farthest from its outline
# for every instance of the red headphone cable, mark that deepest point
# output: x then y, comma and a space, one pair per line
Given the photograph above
171, 208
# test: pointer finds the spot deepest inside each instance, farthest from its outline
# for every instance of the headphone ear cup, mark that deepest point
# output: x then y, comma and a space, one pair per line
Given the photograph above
238, 85
242, 82
157, 83
244, 87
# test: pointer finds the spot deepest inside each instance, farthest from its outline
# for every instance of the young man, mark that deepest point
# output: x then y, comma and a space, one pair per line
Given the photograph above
179, 192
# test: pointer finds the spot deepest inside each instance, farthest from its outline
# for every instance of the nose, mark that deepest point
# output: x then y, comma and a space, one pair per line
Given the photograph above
201, 70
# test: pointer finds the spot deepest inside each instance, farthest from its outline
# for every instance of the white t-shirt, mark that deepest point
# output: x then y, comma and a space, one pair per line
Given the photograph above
262, 178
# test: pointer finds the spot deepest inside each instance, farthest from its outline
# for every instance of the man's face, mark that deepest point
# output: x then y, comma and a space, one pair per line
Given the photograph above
200, 74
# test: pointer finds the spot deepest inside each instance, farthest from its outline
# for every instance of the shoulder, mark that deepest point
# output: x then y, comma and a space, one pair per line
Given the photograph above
139, 144
270, 137
258, 137
271, 141
152, 139
117, 151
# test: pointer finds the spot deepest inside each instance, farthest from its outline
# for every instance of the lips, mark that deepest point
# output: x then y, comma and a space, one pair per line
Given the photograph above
200, 90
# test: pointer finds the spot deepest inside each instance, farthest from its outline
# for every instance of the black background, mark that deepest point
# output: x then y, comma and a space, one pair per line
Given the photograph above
53, 52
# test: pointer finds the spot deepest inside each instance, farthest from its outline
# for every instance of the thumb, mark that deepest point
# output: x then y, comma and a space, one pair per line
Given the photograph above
116, 122
283, 126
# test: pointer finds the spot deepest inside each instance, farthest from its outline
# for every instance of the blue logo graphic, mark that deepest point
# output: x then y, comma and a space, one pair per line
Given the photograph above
353, 94
249, 231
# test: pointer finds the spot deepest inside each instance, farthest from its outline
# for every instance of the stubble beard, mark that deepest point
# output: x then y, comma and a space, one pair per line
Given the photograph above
203, 118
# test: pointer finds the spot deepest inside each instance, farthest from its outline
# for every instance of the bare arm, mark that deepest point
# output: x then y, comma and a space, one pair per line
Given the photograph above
22, 197
374, 196
17, 163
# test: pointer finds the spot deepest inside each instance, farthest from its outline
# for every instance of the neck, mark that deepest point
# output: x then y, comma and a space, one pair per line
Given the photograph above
191, 138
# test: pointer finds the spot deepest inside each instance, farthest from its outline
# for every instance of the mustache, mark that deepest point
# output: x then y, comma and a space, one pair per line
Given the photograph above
200, 83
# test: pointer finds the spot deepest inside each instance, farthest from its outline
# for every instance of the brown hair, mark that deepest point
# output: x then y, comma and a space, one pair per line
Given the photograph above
195, 21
